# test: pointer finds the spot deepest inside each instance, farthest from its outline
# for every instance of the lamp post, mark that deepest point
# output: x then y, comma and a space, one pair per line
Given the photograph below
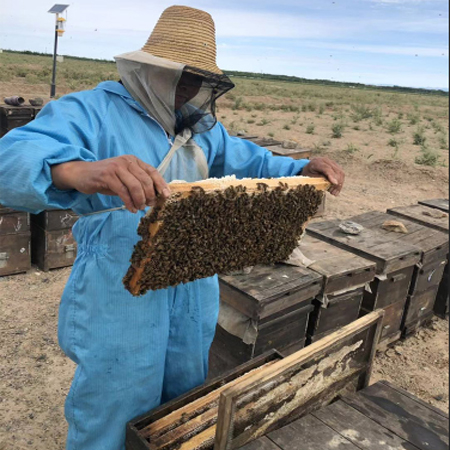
59, 31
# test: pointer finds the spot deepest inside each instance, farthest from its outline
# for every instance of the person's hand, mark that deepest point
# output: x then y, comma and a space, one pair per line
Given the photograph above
134, 181
328, 168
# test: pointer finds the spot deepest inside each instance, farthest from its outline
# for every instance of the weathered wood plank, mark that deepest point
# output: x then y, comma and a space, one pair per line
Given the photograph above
310, 433
263, 443
403, 416
423, 215
438, 203
363, 432
433, 244
298, 153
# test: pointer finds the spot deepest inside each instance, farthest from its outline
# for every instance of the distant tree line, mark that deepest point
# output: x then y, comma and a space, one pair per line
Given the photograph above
283, 78
293, 79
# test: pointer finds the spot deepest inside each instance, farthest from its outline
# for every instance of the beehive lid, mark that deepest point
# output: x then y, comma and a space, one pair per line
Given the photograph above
341, 269
369, 244
438, 203
423, 215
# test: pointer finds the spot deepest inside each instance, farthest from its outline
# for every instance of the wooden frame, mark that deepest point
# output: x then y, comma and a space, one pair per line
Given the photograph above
298, 384
156, 265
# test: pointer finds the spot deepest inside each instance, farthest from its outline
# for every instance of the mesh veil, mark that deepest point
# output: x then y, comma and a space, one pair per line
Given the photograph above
199, 114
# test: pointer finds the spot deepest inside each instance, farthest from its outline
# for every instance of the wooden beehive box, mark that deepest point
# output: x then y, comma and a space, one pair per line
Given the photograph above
297, 153
276, 301
395, 267
345, 276
14, 116
15, 238
433, 214
53, 244
262, 396
434, 247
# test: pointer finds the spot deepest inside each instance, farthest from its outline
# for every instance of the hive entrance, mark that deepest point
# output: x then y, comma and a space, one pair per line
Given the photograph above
220, 226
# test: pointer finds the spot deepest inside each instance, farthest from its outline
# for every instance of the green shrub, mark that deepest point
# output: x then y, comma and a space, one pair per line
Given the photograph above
250, 121
271, 134
361, 112
393, 143
419, 137
438, 128
394, 126
337, 130
428, 157
321, 109
263, 122
287, 127
238, 103
310, 129
351, 149
443, 143
414, 119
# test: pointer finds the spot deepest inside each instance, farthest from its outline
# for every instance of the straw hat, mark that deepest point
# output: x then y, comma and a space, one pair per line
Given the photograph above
187, 36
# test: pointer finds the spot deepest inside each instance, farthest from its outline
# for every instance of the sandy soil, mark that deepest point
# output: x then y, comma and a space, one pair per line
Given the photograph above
35, 375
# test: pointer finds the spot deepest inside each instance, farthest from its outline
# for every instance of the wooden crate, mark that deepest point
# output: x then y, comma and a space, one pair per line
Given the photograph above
53, 245
276, 301
15, 116
427, 276
394, 268
15, 238
345, 275
380, 417
270, 393
423, 214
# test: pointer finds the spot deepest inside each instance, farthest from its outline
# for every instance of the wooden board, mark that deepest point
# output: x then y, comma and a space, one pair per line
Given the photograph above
341, 269
403, 416
267, 290
310, 433
298, 384
441, 307
433, 244
298, 153
438, 203
361, 431
265, 142
216, 226
423, 215
369, 244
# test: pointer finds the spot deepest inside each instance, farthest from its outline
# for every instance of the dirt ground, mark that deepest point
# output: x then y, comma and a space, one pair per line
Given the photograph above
35, 375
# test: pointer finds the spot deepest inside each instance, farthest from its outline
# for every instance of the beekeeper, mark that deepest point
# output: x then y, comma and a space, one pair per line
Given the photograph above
120, 144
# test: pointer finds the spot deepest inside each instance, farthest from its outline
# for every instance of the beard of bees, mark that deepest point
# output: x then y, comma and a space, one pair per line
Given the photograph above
209, 233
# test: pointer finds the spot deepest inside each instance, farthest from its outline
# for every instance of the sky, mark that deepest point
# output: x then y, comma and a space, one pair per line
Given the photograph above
385, 42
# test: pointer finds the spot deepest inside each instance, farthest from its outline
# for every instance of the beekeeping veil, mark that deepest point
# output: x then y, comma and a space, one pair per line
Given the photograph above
182, 41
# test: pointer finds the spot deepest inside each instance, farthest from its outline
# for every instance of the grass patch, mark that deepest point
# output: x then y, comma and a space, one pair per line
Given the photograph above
337, 130
351, 148
428, 157
419, 137
310, 129
394, 126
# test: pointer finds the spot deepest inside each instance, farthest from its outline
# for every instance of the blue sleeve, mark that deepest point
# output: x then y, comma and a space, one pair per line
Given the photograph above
65, 130
245, 159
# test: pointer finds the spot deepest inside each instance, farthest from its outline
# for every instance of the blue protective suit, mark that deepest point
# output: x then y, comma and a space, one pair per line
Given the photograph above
132, 354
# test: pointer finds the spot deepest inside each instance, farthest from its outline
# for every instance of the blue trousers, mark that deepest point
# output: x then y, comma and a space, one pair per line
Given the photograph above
133, 354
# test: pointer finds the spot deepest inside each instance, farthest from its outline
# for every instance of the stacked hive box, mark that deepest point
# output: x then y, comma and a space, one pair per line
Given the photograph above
15, 255
265, 309
433, 246
345, 276
53, 245
433, 214
395, 267
16, 116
